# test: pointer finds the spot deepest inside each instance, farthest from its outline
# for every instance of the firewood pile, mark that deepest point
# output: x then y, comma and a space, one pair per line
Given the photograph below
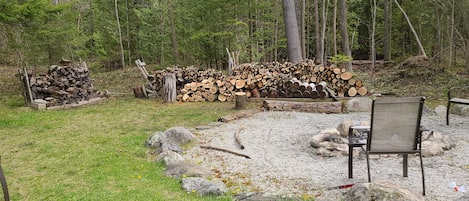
269, 79
66, 83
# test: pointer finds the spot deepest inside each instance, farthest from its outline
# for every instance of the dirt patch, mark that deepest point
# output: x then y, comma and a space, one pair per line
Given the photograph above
282, 162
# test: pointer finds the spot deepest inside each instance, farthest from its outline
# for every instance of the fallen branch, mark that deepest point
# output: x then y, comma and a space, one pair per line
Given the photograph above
238, 140
225, 150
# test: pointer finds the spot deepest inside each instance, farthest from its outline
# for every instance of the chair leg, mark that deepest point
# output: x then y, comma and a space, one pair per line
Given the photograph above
405, 166
350, 161
368, 166
423, 175
447, 113
6, 195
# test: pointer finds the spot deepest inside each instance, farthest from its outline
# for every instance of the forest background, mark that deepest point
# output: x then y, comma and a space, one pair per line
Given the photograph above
112, 34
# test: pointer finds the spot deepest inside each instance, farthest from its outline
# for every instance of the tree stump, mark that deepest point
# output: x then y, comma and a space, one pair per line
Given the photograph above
241, 100
169, 88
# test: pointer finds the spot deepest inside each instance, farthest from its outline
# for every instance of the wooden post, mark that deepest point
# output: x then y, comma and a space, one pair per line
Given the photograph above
29, 98
169, 88
241, 99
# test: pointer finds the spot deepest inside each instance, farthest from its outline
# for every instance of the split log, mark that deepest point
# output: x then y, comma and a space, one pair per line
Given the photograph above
362, 91
346, 75
169, 89
313, 107
352, 92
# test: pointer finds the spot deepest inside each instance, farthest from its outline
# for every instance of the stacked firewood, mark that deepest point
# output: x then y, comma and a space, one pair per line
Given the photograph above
269, 79
65, 83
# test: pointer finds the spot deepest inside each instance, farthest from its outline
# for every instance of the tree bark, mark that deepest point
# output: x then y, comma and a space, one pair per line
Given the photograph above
344, 33
291, 30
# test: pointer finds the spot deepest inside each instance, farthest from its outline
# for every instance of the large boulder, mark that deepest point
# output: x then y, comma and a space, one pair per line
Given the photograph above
186, 169
156, 141
359, 104
382, 191
459, 109
440, 110
435, 143
203, 186
178, 135
326, 135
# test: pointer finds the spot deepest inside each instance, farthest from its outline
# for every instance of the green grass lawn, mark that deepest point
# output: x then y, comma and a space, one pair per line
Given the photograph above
94, 152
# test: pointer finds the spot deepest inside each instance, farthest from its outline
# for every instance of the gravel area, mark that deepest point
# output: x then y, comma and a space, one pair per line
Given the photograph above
283, 162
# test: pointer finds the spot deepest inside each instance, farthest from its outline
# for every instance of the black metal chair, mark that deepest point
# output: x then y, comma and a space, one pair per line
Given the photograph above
456, 96
395, 129
4, 184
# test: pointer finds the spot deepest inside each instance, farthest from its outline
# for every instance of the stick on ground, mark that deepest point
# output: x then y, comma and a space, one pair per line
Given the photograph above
238, 140
225, 150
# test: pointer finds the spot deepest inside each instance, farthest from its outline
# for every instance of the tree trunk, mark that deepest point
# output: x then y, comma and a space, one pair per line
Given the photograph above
422, 50
387, 30
344, 33
317, 33
173, 33
291, 30
323, 32
373, 27
314, 107
303, 33
465, 11
120, 34
451, 36
334, 29
129, 56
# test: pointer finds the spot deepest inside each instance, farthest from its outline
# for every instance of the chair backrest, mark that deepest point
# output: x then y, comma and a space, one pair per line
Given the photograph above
395, 125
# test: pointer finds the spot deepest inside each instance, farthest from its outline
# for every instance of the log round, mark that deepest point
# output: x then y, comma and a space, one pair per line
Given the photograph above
241, 100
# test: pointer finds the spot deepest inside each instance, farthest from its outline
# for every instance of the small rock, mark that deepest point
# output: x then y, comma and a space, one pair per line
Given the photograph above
203, 186
382, 191
431, 149
251, 196
344, 127
169, 157
440, 110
